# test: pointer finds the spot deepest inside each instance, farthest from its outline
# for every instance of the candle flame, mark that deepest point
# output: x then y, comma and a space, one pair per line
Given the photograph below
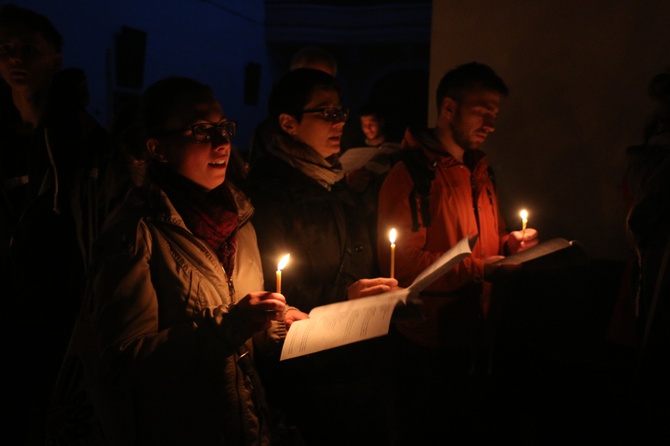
392, 236
283, 262
523, 214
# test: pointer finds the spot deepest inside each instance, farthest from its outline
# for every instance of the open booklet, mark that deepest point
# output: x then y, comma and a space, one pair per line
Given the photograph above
356, 157
556, 252
356, 320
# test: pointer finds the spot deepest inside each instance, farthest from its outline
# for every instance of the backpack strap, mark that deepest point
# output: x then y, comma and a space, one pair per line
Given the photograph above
423, 173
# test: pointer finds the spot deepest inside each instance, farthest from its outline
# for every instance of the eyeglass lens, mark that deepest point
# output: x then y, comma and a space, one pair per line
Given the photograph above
205, 132
334, 114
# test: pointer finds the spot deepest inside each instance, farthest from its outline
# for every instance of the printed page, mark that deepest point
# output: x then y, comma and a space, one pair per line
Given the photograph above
539, 250
342, 323
356, 157
447, 261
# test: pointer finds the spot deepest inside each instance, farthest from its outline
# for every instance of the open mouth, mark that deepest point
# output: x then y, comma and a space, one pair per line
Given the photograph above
219, 163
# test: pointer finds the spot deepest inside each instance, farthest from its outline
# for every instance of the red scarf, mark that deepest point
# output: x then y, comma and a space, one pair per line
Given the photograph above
211, 215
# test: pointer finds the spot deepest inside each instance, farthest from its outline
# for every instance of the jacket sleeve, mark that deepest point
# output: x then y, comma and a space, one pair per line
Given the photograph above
139, 340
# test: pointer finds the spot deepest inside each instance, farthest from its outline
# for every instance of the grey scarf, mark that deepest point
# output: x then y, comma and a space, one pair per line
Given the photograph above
325, 171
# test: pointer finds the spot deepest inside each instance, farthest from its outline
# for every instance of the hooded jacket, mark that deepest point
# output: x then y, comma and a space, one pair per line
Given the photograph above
158, 333
463, 203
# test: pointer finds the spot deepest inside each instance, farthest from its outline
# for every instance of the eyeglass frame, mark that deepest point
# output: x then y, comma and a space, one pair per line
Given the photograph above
221, 126
341, 114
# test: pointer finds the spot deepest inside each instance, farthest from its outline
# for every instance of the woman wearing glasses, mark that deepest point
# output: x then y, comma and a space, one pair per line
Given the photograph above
175, 295
303, 207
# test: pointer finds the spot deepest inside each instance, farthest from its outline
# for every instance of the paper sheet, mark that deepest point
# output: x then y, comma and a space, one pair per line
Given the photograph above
356, 320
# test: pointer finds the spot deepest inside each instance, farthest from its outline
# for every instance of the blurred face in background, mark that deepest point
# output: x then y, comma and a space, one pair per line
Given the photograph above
372, 127
27, 60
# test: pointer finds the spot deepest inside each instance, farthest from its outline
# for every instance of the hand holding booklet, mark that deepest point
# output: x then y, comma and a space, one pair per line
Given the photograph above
342, 323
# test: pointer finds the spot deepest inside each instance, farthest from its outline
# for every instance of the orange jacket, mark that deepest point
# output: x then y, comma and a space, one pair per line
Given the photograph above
452, 218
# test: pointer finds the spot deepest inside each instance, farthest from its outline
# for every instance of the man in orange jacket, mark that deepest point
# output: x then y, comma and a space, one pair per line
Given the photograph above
462, 202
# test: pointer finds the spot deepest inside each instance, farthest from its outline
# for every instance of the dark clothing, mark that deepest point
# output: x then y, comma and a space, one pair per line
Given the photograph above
261, 140
55, 193
337, 396
648, 225
321, 229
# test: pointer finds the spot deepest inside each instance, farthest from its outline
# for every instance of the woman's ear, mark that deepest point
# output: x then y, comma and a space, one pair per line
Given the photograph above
154, 149
288, 124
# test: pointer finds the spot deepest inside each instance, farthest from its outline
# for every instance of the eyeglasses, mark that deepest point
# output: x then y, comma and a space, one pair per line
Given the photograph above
206, 131
330, 114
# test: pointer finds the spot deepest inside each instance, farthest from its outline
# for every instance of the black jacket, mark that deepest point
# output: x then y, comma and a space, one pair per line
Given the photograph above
322, 230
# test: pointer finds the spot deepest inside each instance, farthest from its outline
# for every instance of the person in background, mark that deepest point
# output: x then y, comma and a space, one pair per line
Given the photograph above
304, 208
57, 185
366, 181
438, 354
306, 57
314, 57
372, 126
642, 163
641, 319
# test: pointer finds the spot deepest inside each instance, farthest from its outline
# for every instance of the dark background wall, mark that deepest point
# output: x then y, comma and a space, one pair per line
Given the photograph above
240, 47
578, 73
213, 41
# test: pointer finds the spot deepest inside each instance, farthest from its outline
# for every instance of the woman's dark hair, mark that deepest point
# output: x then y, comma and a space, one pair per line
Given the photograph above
161, 101
294, 90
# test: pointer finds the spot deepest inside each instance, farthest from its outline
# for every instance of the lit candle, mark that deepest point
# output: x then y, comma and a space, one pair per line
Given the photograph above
280, 266
392, 236
524, 220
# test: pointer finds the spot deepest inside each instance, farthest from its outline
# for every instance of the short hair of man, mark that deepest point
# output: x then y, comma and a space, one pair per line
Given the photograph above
15, 16
370, 110
468, 77
294, 90
313, 57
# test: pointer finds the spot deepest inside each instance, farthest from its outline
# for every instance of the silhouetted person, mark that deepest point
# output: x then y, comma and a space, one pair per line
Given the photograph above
647, 302
53, 158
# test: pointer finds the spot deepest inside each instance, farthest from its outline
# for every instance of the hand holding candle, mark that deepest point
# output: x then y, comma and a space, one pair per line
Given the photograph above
392, 236
280, 266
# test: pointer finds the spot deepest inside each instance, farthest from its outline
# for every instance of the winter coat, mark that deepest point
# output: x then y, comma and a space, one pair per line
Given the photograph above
158, 334
57, 185
453, 217
322, 230
325, 234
